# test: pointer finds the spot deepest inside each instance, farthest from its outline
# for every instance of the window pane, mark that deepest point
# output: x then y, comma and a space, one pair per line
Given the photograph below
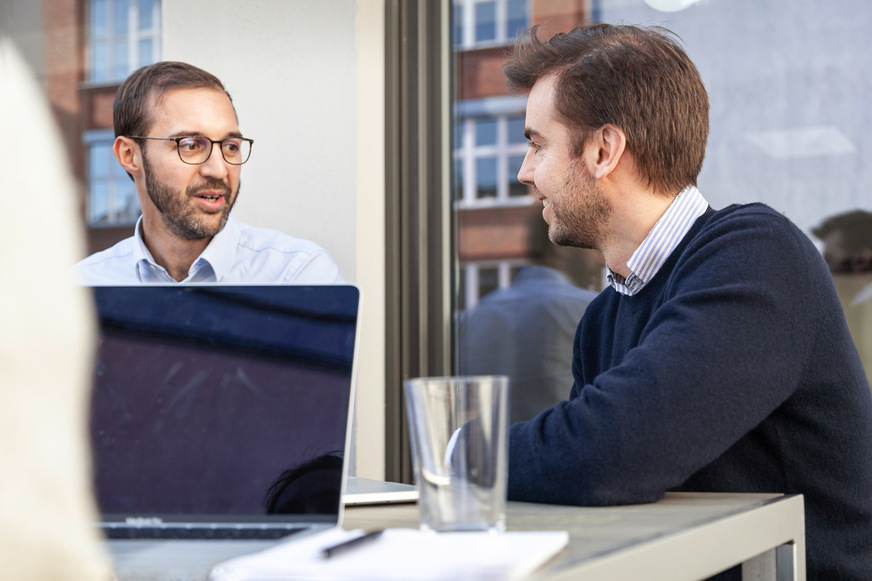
457, 136
146, 14
516, 188
120, 66
516, 130
99, 160
457, 180
99, 18
146, 48
99, 62
98, 207
461, 289
126, 202
486, 177
457, 25
486, 132
485, 21
120, 17
517, 22
488, 280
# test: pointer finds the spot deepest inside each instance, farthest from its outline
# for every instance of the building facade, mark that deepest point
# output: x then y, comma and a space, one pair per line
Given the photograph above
90, 47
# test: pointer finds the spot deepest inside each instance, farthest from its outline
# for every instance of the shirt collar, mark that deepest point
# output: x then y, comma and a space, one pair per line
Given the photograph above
147, 270
218, 255
212, 264
663, 238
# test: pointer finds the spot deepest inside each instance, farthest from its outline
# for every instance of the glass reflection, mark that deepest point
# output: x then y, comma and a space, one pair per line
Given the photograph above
788, 117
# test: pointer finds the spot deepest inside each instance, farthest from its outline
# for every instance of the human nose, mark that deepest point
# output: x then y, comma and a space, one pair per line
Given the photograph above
215, 165
525, 174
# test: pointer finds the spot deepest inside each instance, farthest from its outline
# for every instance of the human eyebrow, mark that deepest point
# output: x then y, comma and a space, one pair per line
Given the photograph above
533, 135
533, 138
201, 134
178, 134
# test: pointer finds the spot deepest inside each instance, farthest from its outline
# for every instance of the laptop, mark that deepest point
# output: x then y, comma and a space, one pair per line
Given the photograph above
222, 412
366, 491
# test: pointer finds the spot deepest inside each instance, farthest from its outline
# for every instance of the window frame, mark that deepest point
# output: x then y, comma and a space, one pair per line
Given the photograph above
131, 40
465, 9
114, 178
502, 109
471, 288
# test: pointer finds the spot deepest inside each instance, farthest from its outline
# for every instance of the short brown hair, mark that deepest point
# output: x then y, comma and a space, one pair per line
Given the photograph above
636, 78
854, 226
132, 109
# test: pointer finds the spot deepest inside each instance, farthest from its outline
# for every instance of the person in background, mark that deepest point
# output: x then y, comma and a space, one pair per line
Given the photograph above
48, 513
718, 358
526, 331
847, 240
178, 138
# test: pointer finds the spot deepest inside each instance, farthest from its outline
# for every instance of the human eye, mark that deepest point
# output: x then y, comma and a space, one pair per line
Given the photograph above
231, 146
191, 144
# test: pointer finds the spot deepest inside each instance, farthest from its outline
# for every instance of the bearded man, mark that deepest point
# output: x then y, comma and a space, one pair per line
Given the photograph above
178, 138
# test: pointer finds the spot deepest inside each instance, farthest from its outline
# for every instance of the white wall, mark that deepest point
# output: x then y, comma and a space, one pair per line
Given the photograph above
290, 67
371, 236
306, 77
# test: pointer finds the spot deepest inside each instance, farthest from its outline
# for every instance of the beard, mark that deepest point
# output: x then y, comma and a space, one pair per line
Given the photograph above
580, 212
178, 212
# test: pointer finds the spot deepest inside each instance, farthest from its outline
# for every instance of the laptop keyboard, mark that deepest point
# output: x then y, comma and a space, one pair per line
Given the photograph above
199, 533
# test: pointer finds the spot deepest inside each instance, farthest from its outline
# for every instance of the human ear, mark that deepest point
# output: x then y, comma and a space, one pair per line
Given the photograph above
608, 144
128, 154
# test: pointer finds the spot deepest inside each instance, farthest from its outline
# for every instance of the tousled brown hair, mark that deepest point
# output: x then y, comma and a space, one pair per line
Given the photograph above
132, 111
636, 78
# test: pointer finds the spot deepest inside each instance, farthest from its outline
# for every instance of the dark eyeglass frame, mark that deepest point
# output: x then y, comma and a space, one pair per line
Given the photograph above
178, 140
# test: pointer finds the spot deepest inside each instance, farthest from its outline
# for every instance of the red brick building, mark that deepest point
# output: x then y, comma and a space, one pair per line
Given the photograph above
90, 46
493, 209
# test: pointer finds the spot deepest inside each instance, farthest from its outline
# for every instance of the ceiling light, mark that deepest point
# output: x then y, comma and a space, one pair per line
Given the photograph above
670, 5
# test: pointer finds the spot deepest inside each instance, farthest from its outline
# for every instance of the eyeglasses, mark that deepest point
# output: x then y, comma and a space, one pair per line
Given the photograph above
196, 150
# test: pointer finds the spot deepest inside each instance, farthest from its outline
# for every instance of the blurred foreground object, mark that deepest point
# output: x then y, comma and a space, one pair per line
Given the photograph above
47, 512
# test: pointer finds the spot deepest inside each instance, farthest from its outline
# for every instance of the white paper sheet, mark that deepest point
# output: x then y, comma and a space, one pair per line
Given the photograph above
401, 554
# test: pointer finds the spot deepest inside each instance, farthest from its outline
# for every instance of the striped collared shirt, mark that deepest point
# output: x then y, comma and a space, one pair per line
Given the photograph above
666, 234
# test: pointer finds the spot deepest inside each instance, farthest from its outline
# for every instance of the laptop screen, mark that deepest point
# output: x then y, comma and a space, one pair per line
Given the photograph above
222, 403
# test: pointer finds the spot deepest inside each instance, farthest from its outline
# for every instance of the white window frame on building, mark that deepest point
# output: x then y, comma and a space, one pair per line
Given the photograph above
507, 146
120, 200
470, 14
123, 35
506, 272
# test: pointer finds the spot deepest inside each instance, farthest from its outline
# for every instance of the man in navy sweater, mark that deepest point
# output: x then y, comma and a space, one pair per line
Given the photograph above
718, 359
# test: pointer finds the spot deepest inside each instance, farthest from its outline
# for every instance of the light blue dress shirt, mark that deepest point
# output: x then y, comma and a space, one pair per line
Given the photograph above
238, 254
666, 234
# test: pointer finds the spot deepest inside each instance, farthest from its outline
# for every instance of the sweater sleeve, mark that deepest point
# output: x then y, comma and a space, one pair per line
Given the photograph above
670, 379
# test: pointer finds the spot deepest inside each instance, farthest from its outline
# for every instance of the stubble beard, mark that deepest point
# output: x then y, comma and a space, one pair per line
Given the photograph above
582, 212
181, 217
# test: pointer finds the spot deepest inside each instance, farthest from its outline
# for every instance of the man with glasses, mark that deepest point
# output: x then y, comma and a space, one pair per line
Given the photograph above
178, 138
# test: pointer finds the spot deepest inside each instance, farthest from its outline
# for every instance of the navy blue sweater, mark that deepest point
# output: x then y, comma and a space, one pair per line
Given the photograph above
731, 371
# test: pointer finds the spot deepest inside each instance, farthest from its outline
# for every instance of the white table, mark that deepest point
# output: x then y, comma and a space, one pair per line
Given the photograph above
685, 536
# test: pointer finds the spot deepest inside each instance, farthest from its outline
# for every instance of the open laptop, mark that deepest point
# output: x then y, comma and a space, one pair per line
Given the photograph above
222, 411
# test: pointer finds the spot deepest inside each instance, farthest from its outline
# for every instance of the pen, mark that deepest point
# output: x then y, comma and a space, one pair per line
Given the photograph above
346, 545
